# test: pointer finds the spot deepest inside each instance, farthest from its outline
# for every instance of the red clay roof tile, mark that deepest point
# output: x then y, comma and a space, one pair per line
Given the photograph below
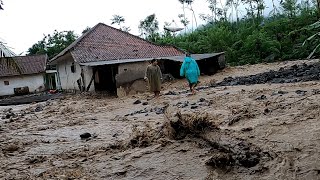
27, 64
103, 43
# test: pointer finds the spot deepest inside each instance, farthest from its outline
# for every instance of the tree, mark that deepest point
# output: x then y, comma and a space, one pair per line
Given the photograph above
1, 4
86, 29
213, 8
182, 17
117, 19
289, 7
189, 3
183, 21
53, 44
149, 27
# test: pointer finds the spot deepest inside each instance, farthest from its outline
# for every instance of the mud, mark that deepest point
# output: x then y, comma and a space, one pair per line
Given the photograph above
261, 131
27, 99
295, 73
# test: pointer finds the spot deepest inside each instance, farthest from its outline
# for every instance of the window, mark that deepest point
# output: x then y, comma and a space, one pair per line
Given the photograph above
73, 68
6, 83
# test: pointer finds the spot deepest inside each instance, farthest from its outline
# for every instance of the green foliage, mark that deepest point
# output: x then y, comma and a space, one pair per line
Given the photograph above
119, 20
288, 34
149, 27
53, 44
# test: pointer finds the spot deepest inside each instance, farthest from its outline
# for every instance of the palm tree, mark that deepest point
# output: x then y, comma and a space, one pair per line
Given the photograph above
189, 2
213, 8
117, 19
184, 14
234, 5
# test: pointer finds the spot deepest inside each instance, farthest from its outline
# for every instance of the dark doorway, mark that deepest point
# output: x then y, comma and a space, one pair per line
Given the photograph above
171, 67
51, 81
208, 66
105, 78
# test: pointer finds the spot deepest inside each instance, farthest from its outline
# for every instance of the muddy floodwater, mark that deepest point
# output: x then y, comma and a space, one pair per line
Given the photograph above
248, 122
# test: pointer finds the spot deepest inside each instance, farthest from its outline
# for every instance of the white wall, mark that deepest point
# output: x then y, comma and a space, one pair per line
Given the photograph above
34, 82
69, 79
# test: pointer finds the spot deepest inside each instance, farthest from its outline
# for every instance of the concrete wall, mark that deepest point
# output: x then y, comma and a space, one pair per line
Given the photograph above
34, 82
130, 78
137, 86
222, 61
129, 72
68, 79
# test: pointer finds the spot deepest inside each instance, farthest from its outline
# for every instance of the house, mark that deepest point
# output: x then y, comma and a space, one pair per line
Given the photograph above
108, 59
22, 74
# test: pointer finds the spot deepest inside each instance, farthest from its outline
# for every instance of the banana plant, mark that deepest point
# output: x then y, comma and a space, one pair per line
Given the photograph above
315, 37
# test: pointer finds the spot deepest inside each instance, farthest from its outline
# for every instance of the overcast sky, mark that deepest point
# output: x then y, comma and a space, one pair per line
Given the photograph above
24, 22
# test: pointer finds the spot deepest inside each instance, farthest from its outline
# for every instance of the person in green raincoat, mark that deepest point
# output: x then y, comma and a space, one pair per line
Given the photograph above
154, 77
191, 71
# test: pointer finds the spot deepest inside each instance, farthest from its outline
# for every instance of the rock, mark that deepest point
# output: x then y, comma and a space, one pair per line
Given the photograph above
38, 109
85, 135
202, 100
266, 111
282, 92
194, 107
247, 129
145, 103
9, 115
220, 160
137, 102
262, 97
315, 91
7, 110
171, 93
11, 148
301, 92
249, 160
159, 110
167, 77
182, 104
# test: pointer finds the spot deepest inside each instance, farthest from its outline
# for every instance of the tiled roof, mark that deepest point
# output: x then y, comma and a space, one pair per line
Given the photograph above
26, 64
103, 43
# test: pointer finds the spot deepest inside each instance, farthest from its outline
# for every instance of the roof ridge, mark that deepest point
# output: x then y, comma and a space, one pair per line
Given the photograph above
74, 43
30, 64
28, 55
153, 43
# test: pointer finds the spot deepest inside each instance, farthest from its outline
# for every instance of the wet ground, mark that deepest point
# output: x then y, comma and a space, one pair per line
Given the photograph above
252, 131
27, 99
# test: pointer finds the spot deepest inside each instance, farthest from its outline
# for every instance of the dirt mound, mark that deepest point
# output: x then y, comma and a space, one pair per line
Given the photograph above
180, 125
227, 151
293, 74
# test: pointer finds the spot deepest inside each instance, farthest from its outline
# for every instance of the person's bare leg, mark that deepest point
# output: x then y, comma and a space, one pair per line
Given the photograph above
156, 94
192, 89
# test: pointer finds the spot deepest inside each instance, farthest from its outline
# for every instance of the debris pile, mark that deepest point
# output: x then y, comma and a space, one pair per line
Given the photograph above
293, 74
